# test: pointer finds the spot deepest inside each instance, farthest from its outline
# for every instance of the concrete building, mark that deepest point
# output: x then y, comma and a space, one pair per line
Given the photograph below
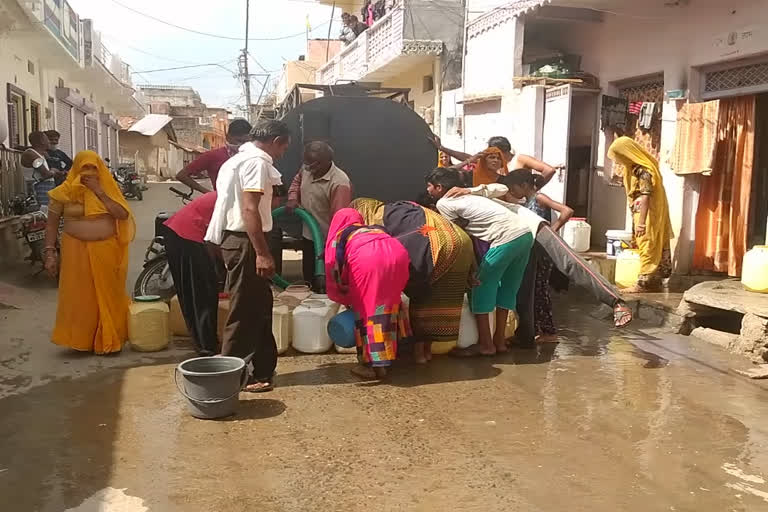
416, 45
57, 74
670, 53
195, 123
303, 70
151, 142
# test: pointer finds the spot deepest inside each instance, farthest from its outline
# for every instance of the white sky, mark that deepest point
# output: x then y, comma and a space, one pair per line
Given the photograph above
133, 37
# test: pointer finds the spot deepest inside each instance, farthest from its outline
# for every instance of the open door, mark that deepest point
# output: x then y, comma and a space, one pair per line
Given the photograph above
555, 142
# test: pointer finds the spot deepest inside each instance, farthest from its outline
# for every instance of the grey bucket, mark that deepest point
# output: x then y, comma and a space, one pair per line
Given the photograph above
211, 385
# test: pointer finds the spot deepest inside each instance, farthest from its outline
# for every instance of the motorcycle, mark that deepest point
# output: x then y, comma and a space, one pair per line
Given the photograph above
130, 182
156, 278
32, 226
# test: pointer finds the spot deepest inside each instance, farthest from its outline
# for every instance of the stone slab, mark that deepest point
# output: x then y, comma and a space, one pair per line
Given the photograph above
728, 295
715, 337
759, 372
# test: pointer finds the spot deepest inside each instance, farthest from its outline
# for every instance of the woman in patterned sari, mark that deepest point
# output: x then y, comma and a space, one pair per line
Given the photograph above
367, 270
647, 200
441, 262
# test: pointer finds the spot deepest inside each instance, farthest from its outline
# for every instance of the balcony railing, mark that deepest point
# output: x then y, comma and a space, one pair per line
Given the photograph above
374, 49
11, 179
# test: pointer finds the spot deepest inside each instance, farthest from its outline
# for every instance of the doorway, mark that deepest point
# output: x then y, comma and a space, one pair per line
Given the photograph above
757, 233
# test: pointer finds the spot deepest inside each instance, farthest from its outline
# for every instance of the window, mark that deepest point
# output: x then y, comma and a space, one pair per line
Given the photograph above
34, 116
31, 67
427, 83
17, 119
91, 135
453, 125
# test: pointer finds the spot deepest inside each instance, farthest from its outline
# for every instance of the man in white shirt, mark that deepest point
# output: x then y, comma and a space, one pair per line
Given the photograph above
241, 217
503, 266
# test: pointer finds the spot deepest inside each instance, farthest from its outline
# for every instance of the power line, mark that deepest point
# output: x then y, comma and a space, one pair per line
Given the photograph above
207, 34
186, 67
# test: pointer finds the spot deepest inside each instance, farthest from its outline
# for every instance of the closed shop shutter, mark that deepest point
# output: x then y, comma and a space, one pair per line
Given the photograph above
105, 142
113, 149
64, 127
79, 134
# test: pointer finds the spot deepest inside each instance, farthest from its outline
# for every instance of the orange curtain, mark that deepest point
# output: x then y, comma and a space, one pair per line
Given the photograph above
723, 214
696, 136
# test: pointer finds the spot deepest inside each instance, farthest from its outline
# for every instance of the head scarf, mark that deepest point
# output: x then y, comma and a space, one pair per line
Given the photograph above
482, 175
345, 222
629, 154
372, 210
73, 191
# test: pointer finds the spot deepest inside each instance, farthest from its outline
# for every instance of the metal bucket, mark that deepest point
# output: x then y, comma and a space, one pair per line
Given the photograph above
211, 385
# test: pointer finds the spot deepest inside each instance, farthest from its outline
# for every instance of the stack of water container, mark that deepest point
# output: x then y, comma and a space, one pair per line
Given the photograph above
300, 319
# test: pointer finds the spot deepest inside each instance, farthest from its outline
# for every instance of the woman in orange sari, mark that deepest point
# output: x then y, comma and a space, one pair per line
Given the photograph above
92, 313
488, 166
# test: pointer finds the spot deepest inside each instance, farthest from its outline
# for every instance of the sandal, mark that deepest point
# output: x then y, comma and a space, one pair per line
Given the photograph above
259, 386
622, 315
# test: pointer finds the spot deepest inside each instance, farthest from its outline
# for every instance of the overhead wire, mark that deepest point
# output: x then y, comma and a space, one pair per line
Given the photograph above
208, 34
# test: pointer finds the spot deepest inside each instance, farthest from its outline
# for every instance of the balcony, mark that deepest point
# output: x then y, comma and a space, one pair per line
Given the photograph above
379, 54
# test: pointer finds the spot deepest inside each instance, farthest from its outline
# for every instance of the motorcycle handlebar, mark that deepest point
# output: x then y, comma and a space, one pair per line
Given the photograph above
180, 193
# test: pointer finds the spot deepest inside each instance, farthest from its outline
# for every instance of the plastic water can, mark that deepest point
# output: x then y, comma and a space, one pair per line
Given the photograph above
627, 268
468, 334
616, 240
148, 324
577, 233
310, 333
754, 272
282, 318
177, 322
295, 294
324, 298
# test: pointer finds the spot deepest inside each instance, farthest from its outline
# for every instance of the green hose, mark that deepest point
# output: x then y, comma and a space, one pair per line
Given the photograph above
317, 239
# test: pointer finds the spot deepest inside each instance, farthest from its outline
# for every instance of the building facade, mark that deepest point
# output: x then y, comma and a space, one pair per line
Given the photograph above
195, 123
669, 54
57, 74
414, 45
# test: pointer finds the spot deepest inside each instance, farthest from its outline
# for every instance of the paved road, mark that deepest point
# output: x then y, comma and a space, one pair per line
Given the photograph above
605, 420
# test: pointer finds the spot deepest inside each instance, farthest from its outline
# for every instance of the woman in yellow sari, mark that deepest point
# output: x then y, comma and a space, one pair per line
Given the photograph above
647, 200
92, 313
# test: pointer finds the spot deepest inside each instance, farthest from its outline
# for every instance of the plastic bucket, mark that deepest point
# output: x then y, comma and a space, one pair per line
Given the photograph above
341, 329
616, 240
211, 385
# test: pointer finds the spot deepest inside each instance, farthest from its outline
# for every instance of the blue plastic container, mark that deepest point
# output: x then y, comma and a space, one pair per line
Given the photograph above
341, 329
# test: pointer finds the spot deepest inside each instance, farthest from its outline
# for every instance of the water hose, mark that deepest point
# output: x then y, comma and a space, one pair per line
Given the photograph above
317, 239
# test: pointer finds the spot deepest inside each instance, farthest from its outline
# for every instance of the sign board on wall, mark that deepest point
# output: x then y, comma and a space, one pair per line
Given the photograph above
741, 41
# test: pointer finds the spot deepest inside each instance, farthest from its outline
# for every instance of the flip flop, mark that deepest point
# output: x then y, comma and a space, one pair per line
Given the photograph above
622, 315
259, 386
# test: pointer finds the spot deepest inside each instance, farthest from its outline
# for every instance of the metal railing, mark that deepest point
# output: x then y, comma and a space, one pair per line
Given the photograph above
11, 179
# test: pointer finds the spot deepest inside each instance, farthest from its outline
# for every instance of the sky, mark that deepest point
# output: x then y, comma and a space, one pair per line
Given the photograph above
148, 45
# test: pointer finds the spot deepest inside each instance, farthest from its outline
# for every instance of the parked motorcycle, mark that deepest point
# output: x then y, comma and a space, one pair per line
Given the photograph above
32, 226
129, 181
156, 278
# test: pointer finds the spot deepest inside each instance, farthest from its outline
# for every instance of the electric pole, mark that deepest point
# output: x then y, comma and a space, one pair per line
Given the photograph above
244, 65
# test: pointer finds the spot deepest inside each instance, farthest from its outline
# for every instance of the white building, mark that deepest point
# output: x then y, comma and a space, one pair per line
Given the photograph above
640, 51
56, 74
416, 45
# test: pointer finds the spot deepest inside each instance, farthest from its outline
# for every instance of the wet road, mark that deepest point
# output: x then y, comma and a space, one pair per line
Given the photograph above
603, 421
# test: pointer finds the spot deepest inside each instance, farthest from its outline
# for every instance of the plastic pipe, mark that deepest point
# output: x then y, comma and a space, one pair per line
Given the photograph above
317, 239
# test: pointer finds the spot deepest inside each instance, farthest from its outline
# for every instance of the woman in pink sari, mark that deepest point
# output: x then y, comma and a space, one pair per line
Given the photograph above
367, 270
